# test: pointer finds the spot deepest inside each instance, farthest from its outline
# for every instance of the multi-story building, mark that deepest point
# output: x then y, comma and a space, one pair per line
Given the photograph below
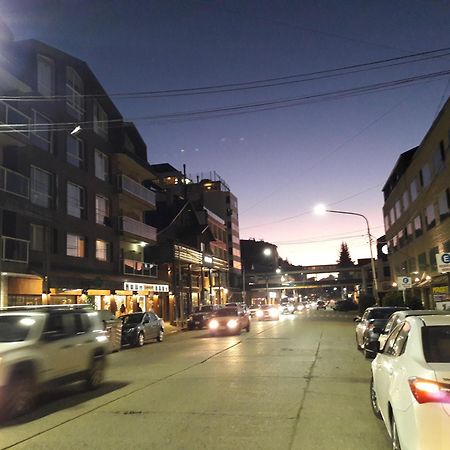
72, 194
417, 210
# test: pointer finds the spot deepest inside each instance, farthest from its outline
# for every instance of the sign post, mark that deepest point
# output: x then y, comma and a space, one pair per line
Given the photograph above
404, 283
443, 266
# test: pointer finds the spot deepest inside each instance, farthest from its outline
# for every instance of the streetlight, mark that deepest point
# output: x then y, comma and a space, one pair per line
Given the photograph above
321, 209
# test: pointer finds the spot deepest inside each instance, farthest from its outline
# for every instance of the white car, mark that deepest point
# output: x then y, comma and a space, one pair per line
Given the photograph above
410, 385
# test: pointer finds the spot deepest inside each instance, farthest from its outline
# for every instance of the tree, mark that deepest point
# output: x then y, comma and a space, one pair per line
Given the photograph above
344, 257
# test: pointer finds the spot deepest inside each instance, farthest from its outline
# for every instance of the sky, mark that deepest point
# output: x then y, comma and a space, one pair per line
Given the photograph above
311, 140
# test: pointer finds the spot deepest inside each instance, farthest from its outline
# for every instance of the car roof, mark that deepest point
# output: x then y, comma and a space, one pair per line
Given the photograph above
431, 320
421, 312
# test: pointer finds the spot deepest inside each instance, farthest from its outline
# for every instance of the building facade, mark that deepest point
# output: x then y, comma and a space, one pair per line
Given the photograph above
417, 210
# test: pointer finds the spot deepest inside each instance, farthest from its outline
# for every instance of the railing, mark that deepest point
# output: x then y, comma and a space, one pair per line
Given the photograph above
129, 225
17, 121
14, 183
139, 268
15, 250
137, 190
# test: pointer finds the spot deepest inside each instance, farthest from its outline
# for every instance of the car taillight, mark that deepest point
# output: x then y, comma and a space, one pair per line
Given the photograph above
429, 391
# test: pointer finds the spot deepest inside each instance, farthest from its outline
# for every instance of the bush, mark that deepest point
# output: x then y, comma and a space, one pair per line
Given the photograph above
393, 298
364, 302
414, 302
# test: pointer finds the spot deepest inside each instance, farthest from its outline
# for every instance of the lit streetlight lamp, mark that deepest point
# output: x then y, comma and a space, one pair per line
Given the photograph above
321, 209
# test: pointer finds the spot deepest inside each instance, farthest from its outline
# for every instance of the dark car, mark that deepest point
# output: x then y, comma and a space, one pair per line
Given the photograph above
200, 316
321, 304
229, 320
345, 305
371, 324
141, 327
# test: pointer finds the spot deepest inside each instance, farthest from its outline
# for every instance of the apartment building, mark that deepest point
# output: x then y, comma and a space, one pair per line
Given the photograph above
417, 210
72, 194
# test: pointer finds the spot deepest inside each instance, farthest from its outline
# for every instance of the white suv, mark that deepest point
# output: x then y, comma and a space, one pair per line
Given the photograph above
45, 347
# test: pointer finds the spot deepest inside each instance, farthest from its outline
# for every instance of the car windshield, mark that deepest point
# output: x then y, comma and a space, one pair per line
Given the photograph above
381, 313
227, 312
436, 344
132, 319
15, 328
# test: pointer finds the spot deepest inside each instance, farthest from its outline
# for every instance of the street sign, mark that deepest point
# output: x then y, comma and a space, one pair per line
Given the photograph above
404, 283
443, 262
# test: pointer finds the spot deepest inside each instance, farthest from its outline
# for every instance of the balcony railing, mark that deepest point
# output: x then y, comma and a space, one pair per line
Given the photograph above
14, 250
135, 189
129, 225
14, 183
12, 120
139, 268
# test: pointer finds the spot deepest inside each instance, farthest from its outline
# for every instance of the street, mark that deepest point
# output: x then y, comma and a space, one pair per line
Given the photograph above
298, 383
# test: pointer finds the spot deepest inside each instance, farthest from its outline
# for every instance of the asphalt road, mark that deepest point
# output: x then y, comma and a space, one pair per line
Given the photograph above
298, 383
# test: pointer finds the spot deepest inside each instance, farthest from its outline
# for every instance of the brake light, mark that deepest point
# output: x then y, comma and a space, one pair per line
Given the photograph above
429, 391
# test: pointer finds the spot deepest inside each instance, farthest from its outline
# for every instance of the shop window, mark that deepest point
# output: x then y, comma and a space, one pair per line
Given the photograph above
412, 264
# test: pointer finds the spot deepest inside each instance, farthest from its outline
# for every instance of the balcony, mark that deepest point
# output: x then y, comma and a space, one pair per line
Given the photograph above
138, 229
14, 250
137, 190
139, 268
14, 183
14, 126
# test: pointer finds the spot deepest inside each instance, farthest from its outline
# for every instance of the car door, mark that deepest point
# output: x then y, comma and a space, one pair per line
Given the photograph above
147, 327
154, 325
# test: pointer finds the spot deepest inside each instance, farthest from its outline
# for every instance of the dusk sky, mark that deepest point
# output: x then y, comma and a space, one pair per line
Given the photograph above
301, 147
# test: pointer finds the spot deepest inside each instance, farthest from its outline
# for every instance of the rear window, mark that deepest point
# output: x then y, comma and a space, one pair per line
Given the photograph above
381, 313
436, 344
224, 312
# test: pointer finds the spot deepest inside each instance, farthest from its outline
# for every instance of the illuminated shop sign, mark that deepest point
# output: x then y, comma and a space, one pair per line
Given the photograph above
145, 287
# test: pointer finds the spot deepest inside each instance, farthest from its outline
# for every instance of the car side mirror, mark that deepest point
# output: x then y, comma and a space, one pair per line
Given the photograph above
356, 319
373, 346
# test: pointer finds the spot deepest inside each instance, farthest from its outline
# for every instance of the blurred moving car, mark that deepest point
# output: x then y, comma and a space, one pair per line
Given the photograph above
252, 309
267, 312
399, 316
410, 385
229, 320
370, 325
141, 327
286, 307
321, 304
45, 347
113, 327
200, 316
345, 305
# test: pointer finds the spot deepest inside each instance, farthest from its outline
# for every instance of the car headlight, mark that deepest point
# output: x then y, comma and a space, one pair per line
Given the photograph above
273, 312
259, 313
233, 323
213, 324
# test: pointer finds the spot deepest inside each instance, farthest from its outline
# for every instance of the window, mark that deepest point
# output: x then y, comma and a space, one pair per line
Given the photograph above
409, 231
389, 345
386, 223
74, 93
418, 226
45, 76
401, 238
444, 204
75, 200
101, 209
75, 246
37, 237
414, 189
392, 216
100, 120
430, 216
432, 254
101, 250
398, 209
422, 260
436, 343
405, 198
75, 151
101, 165
402, 338
425, 175
41, 187
42, 134
438, 160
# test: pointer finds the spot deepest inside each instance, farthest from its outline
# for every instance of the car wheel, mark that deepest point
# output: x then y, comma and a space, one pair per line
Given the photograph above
374, 401
368, 354
358, 347
96, 373
160, 336
394, 435
140, 339
247, 328
19, 398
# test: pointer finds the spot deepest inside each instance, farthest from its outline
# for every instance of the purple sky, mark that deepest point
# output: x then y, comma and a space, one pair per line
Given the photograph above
280, 162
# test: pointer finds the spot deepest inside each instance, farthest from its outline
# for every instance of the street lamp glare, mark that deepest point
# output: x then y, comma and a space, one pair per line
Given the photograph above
320, 209
267, 251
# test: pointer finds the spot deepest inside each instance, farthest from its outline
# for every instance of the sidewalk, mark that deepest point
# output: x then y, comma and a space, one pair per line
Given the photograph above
170, 329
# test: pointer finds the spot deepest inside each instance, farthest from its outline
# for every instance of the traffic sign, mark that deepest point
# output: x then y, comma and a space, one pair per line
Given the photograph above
443, 262
404, 283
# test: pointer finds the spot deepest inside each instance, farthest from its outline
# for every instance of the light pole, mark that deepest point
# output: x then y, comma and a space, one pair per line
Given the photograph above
321, 209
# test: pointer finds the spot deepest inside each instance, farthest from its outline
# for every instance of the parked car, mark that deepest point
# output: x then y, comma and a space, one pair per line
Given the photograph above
47, 347
200, 316
370, 325
345, 305
113, 327
410, 385
141, 327
229, 320
399, 316
267, 312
